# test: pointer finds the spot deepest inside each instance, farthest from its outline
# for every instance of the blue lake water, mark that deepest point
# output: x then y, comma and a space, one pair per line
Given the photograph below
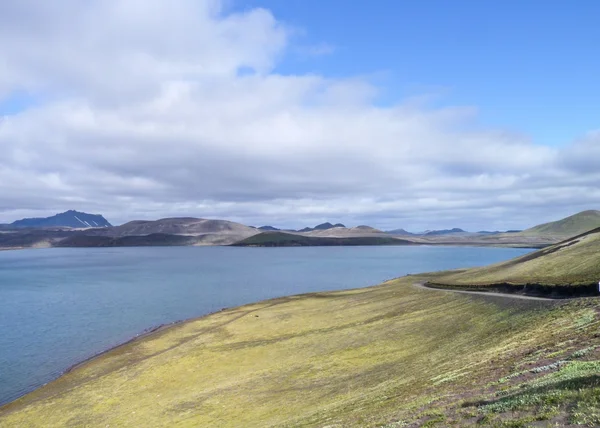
60, 306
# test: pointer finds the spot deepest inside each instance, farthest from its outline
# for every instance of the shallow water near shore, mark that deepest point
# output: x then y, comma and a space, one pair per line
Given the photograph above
61, 306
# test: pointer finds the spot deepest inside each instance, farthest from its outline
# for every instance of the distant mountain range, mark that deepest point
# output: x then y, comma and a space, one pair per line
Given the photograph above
443, 232
74, 219
322, 226
398, 232
403, 232
78, 229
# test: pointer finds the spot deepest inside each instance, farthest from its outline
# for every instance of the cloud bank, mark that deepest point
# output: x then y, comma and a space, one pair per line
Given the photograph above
147, 109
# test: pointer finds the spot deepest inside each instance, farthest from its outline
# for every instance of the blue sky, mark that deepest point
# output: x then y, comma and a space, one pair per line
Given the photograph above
15, 102
530, 66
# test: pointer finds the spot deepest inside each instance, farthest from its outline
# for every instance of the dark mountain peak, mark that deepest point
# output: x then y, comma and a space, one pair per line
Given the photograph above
444, 231
327, 225
496, 232
268, 228
70, 218
322, 226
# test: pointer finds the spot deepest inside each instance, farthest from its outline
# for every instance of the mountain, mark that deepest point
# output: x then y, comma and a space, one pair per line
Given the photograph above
365, 229
207, 232
570, 264
322, 226
399, 232
182, 226
443, 232
325, 226
270, 228
570, 226
69, 218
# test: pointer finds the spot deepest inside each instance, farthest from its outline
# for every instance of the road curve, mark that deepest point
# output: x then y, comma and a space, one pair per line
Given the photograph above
422, 286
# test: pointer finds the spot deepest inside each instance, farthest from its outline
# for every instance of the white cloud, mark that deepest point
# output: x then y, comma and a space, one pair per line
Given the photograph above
159, 108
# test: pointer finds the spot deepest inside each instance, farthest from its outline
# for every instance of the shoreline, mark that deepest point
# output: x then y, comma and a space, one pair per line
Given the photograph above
156, 329
144, 334
230, 352
151, 331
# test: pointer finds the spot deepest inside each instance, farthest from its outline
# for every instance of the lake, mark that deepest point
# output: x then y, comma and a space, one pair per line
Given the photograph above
60, 306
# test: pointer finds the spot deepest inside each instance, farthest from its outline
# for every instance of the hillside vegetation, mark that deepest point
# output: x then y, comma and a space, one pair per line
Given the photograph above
567, 227
281, 239
573, 263
387, 356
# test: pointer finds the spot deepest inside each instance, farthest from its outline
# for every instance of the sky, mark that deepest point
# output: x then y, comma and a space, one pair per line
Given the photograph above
396, 114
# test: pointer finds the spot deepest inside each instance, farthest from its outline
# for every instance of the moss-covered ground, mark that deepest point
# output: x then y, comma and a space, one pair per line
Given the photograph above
391, 355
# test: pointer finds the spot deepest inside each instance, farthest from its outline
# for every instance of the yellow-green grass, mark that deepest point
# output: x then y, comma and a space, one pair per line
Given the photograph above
567, 227
390, 355
574, 262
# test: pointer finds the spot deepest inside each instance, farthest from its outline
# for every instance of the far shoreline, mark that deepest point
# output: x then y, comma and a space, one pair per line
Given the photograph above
416, 244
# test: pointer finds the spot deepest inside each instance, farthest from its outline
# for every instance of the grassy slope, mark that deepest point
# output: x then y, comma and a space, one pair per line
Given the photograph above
391, 355
573, 225
281, 239
574, 262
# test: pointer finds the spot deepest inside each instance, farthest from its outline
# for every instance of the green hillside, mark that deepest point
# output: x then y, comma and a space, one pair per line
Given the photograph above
573, 263
567, 227
388, 356
281, 239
